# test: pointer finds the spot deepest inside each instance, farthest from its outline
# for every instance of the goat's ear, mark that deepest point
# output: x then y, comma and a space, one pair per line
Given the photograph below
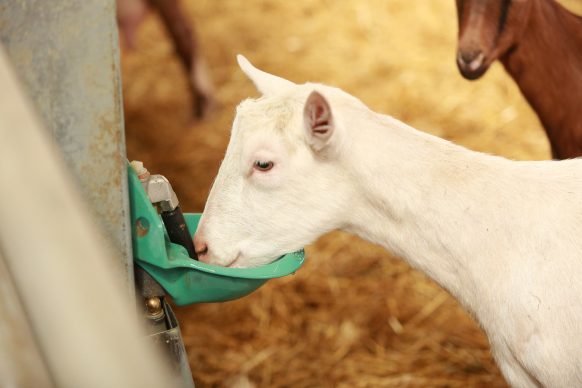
318, 121
266, 83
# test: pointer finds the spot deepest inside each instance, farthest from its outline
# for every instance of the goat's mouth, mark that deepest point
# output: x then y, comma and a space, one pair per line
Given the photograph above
233, 263
241, 261
473, 69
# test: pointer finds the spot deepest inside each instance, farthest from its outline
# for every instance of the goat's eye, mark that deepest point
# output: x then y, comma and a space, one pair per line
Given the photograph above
263, 165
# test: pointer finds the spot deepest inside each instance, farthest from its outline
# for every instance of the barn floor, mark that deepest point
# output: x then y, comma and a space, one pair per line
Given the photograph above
353, 316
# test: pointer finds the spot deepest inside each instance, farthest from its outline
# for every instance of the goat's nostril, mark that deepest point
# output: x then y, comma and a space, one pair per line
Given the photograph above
200, 246
472, 64
471, 58
201, 249
476, 63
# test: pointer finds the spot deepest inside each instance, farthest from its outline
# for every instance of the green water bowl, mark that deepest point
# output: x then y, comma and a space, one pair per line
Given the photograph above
187, 280
191, 281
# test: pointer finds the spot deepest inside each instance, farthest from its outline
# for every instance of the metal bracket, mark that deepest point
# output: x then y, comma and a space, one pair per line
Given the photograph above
157, 187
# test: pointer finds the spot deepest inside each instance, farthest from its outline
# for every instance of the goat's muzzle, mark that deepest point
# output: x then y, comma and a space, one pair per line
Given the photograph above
472, 63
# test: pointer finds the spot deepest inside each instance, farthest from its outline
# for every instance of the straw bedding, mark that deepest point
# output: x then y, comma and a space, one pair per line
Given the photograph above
352, 316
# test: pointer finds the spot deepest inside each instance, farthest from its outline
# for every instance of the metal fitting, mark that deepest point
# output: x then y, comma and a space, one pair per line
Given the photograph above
154, 308
160, 192
157, 187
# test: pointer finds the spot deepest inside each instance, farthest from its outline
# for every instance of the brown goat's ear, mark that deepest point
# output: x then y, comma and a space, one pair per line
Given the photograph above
318, 119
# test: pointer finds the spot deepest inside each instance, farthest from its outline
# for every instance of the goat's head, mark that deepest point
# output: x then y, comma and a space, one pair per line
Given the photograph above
488, 29
277, 188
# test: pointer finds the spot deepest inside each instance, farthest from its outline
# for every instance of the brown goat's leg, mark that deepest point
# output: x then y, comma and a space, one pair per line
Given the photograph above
130, 14
183, 37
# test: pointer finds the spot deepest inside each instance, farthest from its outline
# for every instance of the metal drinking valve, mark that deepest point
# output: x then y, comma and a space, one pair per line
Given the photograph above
160, 193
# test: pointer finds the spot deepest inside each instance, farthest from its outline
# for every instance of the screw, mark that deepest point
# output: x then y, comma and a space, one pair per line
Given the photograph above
142, 226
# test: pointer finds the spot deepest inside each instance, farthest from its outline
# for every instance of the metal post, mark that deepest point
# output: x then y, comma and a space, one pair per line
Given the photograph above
73, 311
66, 53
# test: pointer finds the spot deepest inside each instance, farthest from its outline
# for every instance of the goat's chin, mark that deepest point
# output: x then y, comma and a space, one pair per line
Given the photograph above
244, 265
242, 262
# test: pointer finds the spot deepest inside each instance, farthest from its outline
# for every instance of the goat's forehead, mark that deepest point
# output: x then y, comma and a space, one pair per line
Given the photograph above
267, 114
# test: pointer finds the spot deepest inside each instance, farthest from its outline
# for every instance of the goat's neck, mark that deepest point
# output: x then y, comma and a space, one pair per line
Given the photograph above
547, 66
428, 201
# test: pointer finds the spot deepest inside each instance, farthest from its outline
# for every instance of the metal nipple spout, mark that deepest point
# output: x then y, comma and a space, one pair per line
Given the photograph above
178, 230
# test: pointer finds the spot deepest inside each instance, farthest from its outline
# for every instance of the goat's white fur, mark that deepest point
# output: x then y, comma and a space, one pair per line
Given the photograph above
504, 237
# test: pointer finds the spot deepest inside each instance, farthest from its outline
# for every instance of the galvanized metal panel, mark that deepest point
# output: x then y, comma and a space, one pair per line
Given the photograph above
72, 299
66, 52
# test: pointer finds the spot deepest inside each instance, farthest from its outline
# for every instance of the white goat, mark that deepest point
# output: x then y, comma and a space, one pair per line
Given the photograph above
504, 237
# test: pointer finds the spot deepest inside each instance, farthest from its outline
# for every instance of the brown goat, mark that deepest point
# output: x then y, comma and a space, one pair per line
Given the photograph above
540, 45
130, 14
